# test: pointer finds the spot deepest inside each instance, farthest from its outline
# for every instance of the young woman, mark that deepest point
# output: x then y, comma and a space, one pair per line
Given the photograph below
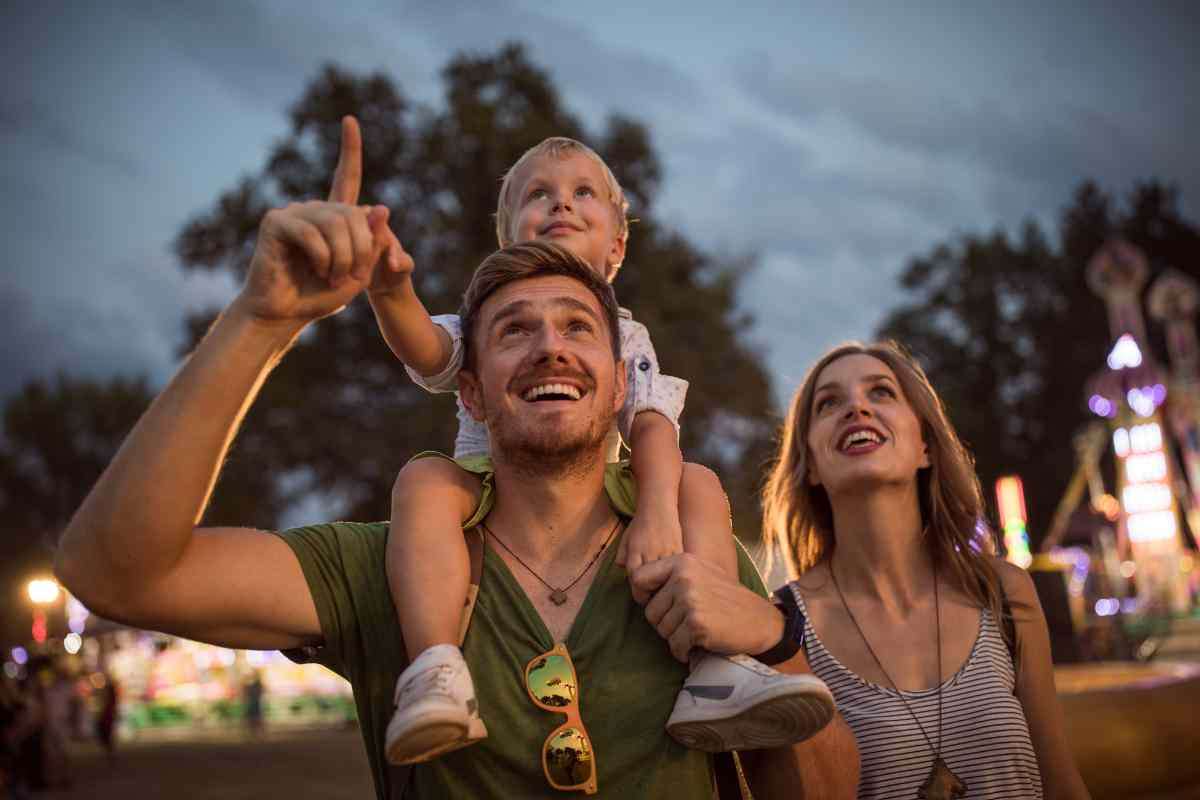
936, 651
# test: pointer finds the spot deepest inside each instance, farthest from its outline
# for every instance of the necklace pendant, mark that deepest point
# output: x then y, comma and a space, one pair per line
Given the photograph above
942, 784
558, 597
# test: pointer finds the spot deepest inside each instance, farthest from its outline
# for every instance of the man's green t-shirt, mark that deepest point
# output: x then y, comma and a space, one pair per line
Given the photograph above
628, 680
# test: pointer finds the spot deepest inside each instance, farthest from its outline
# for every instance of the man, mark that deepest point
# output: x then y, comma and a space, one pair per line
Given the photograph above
132, 552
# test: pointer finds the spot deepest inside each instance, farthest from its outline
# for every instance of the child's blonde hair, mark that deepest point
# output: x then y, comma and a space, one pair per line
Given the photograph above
556, 147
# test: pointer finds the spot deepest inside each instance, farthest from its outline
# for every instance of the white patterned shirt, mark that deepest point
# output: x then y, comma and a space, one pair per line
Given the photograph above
647, 389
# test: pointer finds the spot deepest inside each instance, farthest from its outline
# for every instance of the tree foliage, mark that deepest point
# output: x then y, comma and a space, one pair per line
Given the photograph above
58, 437
1009, 332
339, 417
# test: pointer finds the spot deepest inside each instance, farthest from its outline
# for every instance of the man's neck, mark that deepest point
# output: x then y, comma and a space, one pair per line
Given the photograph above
553, 518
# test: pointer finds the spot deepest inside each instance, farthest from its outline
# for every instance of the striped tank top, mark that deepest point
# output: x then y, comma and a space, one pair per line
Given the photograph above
985, 740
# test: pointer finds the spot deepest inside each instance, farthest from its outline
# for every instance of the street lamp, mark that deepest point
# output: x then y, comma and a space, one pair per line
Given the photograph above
42, 592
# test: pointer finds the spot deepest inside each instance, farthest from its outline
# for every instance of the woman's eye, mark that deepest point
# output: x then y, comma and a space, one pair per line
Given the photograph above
824, 403
886, 391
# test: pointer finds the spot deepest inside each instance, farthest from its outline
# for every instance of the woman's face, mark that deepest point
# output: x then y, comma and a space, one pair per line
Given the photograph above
862, 432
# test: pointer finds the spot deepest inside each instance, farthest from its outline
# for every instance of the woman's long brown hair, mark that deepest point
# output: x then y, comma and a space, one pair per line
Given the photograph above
798, 518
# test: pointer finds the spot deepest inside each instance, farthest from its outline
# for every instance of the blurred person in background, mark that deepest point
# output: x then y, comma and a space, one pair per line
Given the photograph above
16, 724
57, 697
252, 695
106, 715
936, 650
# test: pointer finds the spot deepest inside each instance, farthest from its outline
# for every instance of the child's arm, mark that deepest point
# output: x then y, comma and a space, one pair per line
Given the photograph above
424, 346
657, 464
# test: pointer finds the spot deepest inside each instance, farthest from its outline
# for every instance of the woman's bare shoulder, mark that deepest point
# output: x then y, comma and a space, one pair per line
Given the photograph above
1015, 581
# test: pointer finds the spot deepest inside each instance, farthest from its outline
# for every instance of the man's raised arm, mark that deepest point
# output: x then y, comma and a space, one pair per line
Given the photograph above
132, 552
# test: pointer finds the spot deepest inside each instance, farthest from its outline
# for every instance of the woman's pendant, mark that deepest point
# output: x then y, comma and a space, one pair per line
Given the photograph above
558, 597
942, 784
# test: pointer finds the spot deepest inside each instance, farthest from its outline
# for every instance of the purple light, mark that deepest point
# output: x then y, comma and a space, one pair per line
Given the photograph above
1107, 606
1101, 407
1141, 401
1158, 392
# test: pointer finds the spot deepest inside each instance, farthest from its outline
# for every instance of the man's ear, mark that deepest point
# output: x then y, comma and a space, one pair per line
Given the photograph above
620, 385
471, 394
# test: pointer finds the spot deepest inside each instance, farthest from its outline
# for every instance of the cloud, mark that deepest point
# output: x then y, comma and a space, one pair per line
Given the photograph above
599, 76
40, 126
1043, 142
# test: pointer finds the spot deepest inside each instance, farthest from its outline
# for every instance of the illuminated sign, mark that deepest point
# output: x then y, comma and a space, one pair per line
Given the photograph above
1010, 499
1146, 494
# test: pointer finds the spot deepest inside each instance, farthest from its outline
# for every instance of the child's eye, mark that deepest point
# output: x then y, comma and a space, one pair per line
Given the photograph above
585, 191
536, 194
825, 402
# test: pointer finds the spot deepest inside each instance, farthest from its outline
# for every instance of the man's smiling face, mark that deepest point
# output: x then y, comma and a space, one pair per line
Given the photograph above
545, 380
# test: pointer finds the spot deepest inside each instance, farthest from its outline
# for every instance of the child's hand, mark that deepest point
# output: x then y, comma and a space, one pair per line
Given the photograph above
652, 535
395, 267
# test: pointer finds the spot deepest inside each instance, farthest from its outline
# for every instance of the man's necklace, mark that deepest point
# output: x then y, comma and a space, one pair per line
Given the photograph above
558, 595
942, 784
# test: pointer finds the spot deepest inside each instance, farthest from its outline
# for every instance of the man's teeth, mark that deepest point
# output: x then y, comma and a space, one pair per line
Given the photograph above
861, 437
551, 388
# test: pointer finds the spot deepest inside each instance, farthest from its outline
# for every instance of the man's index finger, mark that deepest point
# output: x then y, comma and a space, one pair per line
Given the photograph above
347, 178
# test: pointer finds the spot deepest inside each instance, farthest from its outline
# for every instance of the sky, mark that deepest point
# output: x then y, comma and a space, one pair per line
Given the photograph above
833, 141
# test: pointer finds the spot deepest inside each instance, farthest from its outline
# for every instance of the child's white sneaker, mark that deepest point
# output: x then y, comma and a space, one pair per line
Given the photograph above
436, 710
738, 703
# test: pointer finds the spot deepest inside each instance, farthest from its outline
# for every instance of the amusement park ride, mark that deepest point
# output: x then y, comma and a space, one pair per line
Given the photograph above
1137, 563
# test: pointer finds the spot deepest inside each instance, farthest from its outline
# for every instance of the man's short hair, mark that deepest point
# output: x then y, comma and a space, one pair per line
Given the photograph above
531, 260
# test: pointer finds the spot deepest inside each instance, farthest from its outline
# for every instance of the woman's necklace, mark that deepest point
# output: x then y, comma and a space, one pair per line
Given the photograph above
558, 596
942, 784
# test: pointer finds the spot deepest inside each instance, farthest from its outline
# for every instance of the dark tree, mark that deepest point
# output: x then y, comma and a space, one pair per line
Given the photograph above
1009, 332
340, 417
57, 439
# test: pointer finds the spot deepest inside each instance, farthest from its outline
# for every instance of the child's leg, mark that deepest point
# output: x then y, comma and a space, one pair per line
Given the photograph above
428, 568
735, 702
429, 571
705, 518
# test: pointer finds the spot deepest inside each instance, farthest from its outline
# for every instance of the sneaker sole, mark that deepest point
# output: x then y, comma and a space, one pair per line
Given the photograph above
772, 722
427, 742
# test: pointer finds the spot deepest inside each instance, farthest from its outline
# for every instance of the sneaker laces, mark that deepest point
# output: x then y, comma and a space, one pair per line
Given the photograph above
435, 679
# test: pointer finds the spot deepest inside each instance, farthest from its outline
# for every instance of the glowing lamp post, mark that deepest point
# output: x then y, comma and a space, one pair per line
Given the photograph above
1010, 499
42, 592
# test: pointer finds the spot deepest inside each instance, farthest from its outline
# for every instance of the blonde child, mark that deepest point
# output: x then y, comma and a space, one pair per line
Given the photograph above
562, 192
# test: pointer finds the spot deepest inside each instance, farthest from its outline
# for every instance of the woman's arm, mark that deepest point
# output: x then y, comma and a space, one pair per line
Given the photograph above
1035, 688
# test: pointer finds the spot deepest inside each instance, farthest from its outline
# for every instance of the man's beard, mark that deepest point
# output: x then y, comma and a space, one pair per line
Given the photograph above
538, 451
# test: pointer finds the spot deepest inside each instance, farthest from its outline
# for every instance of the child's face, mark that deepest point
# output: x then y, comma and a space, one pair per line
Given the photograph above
565, 201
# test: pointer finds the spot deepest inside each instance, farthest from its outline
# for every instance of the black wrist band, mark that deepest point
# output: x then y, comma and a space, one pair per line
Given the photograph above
793, 629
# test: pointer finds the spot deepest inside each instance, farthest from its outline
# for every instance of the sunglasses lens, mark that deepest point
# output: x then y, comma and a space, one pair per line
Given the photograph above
551, 681
569, 758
